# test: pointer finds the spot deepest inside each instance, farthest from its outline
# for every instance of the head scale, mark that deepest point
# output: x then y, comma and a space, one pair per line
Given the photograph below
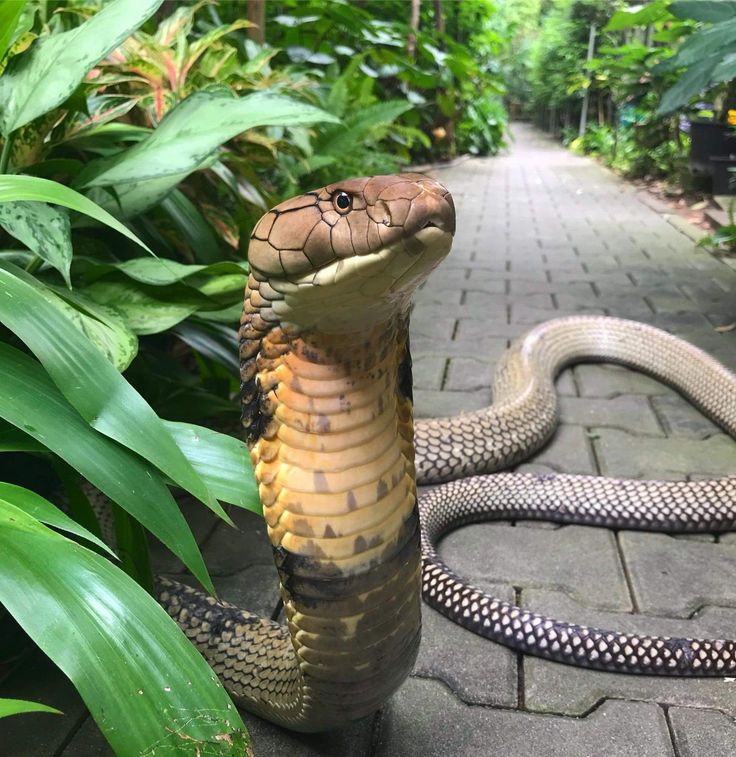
354, 250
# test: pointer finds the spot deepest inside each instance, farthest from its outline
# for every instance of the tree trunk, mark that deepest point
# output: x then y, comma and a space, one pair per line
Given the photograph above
256, 14
411, 40
439, 17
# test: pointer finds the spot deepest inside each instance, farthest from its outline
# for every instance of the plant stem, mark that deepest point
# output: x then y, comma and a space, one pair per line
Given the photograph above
34, 264
5, 156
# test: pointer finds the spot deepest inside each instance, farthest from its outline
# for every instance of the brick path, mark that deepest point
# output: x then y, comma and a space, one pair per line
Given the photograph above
541, 233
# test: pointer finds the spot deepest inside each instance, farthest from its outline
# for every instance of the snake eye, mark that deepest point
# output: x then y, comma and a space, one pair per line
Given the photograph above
342, 201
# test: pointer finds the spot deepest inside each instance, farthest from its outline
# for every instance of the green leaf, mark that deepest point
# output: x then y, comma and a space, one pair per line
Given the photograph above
162, 271
41, 509
101, 324
122, 476
10, 13
51, 70
223, 461
14, 188
41, 228
340, 140
20, 706
90, 383
714, 41
191, 225
142, 313
145, 684
191, 132
691, 83
704, 10
646, 14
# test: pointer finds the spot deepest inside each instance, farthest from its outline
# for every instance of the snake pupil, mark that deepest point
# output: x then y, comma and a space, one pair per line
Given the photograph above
342, 200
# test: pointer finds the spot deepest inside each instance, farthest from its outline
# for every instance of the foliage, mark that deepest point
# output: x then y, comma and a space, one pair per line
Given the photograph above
708, 55
449, 73
129, 130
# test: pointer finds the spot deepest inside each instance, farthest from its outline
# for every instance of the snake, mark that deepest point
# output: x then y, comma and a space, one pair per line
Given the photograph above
326, 393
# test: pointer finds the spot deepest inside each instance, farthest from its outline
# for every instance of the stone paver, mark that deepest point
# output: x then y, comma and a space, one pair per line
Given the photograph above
541, 233
424, 718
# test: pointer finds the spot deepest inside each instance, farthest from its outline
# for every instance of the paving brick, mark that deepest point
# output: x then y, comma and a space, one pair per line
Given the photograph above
564, 689
569, 450
428, 371
702, 733
629, 456
424, 718
675, 577
630, 412
38, 680
468, 374
542, 558
88, 741
230, 550
680, 418
354, 740
476, 671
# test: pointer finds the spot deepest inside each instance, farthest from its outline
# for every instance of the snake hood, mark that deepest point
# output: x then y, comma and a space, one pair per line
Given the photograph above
344, 256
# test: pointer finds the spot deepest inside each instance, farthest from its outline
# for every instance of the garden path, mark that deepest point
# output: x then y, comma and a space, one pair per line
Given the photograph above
541, 233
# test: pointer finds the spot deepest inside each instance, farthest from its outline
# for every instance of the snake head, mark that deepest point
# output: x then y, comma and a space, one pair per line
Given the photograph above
354, 250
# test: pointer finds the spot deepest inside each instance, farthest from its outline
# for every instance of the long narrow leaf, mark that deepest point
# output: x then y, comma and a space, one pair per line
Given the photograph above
10, 13
34, 188
54, 66
145, 684
30, 401
222, 461
193, 130
20, 706
90, 383
41, 228
41, 509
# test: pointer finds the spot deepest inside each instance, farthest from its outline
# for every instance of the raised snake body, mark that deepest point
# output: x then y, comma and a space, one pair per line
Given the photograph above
326, 378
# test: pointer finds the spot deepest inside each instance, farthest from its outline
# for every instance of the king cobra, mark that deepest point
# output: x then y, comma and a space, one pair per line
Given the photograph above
327, 412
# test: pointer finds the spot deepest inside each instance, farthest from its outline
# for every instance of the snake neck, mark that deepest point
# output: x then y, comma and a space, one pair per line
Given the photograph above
329, 424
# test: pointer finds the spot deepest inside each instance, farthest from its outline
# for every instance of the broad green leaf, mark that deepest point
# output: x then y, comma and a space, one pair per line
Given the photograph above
142, 313
102, 325
642, 15
129, 481
691, 83
715, 41
704, 10
20, 706
51, 70
41, 228
223, 461
15, 188
41, 509
90, 383
162, 271
145, 684
191, 132
10, 13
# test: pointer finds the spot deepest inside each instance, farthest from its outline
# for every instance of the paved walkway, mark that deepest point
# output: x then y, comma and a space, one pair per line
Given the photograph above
541, 233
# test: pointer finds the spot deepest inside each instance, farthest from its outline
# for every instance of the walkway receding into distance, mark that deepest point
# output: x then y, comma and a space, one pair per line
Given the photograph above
541, 233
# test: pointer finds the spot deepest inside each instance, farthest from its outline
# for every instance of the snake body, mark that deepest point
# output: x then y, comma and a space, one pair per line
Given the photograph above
326, 392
